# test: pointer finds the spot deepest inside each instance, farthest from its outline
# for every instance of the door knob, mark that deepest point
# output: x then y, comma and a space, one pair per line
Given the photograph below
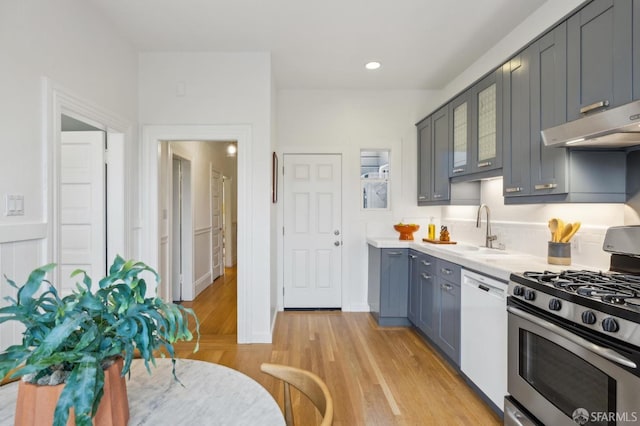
337, 243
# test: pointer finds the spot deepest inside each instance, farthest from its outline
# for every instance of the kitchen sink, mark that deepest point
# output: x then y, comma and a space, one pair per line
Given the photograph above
479, 252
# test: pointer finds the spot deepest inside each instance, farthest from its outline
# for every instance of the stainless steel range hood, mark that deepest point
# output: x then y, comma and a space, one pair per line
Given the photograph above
614, 128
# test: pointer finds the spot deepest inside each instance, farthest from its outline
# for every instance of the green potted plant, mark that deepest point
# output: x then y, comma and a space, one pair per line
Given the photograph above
77, 336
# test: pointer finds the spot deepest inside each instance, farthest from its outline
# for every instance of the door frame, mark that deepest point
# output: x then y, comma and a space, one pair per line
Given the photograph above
60, 101
187, 261
148, 238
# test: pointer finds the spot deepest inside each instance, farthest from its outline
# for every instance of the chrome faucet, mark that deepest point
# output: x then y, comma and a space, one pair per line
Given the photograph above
489, 239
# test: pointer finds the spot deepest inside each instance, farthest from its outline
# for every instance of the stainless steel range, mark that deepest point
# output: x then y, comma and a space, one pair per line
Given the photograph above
574, 341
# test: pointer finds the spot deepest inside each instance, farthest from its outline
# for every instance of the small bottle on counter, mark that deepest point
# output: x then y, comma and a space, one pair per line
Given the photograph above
431, 233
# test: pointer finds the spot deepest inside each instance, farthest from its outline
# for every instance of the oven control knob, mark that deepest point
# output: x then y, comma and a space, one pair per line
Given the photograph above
610, 325
529, 294
588, 317
555, 304
518, 291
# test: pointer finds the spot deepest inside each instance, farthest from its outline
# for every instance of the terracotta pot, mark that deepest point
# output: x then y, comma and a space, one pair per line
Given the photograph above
36, 404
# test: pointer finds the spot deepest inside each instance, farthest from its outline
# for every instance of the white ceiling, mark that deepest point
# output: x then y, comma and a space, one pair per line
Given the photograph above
422, 44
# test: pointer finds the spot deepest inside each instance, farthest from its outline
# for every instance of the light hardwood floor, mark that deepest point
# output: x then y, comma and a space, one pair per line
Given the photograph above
377, 376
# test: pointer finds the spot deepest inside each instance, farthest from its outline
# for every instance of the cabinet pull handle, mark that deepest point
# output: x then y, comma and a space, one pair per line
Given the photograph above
425, 263
594, 106
446, 287
513, 189
446, 271
411, 256
545, 186
484, 164
422, 197
459, 170
394, 253
425, 276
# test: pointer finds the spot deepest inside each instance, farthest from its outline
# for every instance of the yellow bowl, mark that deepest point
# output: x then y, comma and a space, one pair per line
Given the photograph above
406, 231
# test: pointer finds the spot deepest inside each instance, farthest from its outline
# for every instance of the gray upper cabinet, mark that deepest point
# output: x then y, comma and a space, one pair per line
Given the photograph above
534, 99
460, 136
425, 156
599, 57
433, 158
440, 125
517, 125
549, 165
486, 129
636, 49
475, 131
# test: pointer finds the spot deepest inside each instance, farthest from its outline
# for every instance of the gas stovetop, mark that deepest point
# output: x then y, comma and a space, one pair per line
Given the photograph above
606, 302
619, 289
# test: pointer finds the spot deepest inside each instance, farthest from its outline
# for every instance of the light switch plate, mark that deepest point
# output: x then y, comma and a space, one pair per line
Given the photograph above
14, 205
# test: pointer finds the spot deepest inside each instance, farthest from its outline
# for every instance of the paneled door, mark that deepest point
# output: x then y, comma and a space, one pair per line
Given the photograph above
216, 224
81, 224
312, 231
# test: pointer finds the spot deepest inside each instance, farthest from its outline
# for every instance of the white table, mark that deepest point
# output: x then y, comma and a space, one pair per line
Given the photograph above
212, 395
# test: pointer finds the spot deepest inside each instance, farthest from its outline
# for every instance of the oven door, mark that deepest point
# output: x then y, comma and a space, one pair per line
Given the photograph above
562, 378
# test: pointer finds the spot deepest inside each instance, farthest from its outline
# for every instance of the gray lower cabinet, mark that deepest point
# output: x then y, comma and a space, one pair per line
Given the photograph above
534, 99
599, 57
447, 290
422, 298
389, 285
434, 302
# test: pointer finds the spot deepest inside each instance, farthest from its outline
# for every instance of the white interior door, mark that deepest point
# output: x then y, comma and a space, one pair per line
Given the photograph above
312, 231
216, 224
81, 206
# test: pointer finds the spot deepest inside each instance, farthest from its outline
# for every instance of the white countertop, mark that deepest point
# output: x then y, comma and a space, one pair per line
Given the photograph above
494, 263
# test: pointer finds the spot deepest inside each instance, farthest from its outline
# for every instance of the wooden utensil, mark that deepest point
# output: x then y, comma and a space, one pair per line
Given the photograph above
574, 229
559, 230
553, 227
566, 231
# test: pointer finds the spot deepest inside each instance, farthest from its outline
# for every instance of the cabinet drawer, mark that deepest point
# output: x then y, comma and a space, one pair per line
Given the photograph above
427, 264
448, 271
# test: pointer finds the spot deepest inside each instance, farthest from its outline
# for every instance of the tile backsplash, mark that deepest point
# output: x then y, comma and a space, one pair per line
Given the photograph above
532, 238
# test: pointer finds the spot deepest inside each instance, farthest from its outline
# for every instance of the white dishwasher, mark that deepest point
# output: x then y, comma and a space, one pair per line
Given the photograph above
483, 334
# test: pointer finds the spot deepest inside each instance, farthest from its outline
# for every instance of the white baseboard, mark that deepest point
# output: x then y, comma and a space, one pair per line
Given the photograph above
357, 307
202, 283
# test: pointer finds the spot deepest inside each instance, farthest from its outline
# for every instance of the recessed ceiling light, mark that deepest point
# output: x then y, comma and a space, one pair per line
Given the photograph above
372, 65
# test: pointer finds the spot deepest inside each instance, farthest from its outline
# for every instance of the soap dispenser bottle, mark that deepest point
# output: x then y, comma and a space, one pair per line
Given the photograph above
431, 233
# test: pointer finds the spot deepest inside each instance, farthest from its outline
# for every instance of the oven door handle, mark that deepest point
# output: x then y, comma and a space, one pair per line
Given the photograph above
607, 353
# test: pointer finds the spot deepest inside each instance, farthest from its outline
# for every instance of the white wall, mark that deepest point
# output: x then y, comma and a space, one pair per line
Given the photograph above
344, 122
223, 89
71, 44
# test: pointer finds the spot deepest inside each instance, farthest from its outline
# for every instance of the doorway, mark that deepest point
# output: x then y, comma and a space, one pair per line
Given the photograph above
191, 205
88, 198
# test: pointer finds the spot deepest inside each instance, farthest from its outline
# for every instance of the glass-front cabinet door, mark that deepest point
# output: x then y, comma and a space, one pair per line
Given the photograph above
460, 112
486, 135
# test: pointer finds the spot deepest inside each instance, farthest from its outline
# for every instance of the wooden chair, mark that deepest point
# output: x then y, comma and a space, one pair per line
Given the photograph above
306, 382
